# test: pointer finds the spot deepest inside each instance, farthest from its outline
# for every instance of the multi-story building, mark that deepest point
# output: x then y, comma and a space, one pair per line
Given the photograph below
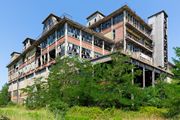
123, 30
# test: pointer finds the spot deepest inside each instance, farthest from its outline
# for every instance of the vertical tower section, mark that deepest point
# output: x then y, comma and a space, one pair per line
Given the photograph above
159, 23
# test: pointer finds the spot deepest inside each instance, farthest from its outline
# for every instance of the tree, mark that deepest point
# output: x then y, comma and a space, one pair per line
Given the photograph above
176, 69
115, 83
4, 96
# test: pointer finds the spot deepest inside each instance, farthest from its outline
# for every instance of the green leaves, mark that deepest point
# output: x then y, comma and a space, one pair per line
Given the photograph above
4, 96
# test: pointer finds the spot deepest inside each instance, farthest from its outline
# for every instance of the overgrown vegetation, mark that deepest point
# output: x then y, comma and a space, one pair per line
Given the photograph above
4, 96
75, 82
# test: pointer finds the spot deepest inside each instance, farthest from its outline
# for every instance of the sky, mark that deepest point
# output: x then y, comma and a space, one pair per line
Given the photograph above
22, 18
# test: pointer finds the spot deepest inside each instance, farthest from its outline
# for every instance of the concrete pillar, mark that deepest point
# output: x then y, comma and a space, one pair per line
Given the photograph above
144, 77
80, 50
66, 38
103, 47
56, 50
124, 35
17, 91
153, 78
93, 46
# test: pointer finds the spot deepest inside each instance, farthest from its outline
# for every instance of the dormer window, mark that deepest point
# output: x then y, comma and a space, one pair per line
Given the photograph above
50, 21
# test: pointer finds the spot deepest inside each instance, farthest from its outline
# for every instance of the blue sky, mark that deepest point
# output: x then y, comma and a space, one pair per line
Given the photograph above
23, 18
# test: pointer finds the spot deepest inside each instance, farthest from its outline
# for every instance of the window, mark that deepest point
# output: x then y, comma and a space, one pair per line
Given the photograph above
73, 32
60, 32
106, 24
51, 39
86, 37
107, 46
61, 50
118, 18
73, 50
15, 93
86, 53
98, 42
52, 54
114, 34
44, 44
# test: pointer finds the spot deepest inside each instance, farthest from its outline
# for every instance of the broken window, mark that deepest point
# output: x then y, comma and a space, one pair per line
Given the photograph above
51, 39
52, 54
86, 53
118, 18
61, 49
73, 32
98, 42
73, 49
107, 46
86, 37
60, 31
106, 24
44, 44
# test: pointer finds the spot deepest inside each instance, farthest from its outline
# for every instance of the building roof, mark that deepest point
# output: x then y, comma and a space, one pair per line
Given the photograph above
31, 40
51, 15
14, 53
125, 7
97, 12
158, 14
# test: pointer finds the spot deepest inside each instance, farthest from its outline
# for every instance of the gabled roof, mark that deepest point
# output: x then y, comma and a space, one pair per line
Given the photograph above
97, 12
51, 15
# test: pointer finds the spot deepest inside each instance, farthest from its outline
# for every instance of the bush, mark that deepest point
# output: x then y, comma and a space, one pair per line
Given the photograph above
4, 96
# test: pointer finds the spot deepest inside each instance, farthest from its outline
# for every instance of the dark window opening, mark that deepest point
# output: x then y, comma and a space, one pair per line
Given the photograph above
98, 42
73, 49
52, 54
86, 53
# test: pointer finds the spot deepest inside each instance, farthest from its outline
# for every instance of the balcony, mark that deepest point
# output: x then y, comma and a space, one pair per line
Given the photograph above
139, 42
130, 24
140, 56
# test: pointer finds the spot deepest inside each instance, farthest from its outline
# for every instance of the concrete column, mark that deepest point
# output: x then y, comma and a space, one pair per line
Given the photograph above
124, 35
80, 50
56, 54
93, 46
103, 48
132, 71
153, 78
144, 77
66, 38
17, 91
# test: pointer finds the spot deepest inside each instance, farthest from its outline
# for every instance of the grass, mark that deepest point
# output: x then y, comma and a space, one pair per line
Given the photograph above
84, 113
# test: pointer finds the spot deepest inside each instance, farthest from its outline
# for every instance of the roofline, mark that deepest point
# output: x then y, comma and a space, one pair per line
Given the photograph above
15, 52
51, 14
95, 13
125, 7
28, 39
162, 11
55, 26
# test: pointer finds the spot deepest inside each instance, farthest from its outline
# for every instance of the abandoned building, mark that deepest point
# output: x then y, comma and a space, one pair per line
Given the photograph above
122, 30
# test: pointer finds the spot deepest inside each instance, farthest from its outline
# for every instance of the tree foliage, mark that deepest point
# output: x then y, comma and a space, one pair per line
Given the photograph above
4, 96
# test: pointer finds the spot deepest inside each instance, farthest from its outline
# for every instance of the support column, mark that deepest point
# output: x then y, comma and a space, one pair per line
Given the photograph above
56, 50
124, 35
17, 91
103, 47
66, 37
93, 46
144, 77
153, 78
80, 50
